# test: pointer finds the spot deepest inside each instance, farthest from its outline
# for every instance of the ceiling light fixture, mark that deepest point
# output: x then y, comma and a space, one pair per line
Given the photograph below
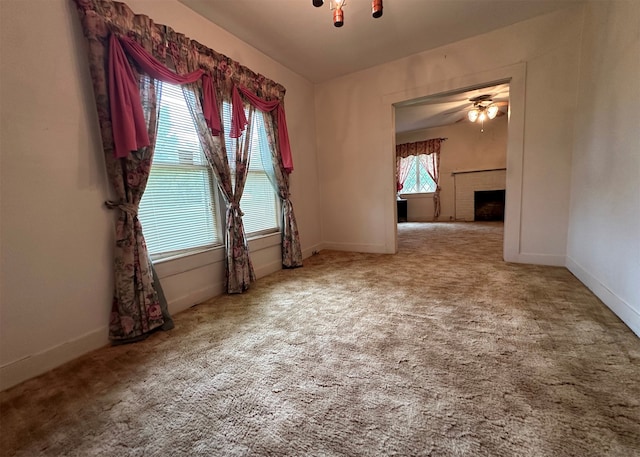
338, 14
482, 111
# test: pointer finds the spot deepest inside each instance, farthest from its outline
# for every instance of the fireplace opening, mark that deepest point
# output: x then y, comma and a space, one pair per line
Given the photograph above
488, 205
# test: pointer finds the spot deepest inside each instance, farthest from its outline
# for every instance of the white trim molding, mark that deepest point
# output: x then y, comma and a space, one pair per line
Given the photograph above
622, 309
34, 365
515, 76
356, 247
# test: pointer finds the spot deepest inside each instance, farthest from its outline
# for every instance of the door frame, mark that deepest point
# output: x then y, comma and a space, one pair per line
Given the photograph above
515, 76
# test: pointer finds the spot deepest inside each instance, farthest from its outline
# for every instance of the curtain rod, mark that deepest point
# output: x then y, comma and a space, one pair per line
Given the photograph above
421, 141
476, 171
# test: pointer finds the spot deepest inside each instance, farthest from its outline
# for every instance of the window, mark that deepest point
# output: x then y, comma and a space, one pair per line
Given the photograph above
178, 211
259, 202
418, 179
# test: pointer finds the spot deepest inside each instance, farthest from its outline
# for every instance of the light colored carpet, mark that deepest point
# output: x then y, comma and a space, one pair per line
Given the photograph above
441, 350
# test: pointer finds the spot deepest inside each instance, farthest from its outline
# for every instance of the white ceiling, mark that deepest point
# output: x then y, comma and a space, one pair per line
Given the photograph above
304, 39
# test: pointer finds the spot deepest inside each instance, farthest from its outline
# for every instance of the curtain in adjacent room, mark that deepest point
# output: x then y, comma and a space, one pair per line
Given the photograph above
429, 151
402, 171
431, 163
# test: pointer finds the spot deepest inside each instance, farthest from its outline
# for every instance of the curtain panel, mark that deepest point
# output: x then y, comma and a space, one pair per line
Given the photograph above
138, 307
278, 173
109, 28
419, 147
430, 152
402, 172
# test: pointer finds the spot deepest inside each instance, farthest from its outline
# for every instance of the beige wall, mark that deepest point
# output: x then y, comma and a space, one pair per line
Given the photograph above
466, 149
354, 120
56, 235
604, 227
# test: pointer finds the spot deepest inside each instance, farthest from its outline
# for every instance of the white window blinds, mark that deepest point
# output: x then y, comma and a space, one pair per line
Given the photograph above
177, 210
259, 202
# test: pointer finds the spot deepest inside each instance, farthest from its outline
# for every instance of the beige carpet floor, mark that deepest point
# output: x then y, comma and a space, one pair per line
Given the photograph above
441, 350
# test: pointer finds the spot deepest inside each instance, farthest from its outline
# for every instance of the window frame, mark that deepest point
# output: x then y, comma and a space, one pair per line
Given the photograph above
417, 162
219, 204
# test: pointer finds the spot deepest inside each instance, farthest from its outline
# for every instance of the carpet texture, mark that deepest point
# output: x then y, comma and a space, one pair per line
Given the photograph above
441, 350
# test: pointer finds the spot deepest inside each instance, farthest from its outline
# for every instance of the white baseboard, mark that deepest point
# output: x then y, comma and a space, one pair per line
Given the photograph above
34, 365
193, 298
537, 259
354, 247
265, 270
622, 309
306, 253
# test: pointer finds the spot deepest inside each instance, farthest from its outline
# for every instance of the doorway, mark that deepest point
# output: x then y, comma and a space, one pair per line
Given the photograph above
514, 77
436, 140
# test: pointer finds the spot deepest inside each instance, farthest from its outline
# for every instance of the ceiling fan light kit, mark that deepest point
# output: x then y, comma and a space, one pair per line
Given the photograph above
482, 111
338, 14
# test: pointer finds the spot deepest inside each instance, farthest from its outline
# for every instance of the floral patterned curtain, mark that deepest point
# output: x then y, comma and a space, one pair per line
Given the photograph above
103, 18
138, 304
239, 265
429, 153
402, 171
279, 178
431, 163
230, 169
419, 147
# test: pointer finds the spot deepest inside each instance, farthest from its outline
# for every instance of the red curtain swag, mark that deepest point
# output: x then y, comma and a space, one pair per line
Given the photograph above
238, 118
127, 119
267, 106
210, 105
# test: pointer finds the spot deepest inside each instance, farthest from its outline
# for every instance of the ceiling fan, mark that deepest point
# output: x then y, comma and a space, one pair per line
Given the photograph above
483, 108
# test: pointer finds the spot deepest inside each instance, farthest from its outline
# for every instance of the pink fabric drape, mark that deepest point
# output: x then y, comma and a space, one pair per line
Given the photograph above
128, 122
155, 68
238, 118
210, 105
127, 119
268, 106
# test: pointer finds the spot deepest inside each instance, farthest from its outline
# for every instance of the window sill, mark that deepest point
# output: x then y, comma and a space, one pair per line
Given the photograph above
420, 195
170, 266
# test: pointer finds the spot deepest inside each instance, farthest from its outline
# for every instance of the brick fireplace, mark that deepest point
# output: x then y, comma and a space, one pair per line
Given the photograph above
467, 183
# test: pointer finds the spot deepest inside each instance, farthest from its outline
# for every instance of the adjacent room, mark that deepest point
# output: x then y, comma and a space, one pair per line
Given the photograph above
320, 227
448, 167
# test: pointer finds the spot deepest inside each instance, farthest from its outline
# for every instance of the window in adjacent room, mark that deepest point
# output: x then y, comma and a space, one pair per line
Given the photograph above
418, 179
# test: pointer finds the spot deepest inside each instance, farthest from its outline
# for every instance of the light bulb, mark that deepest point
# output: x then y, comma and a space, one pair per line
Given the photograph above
473, 115
482, 117
492, 111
